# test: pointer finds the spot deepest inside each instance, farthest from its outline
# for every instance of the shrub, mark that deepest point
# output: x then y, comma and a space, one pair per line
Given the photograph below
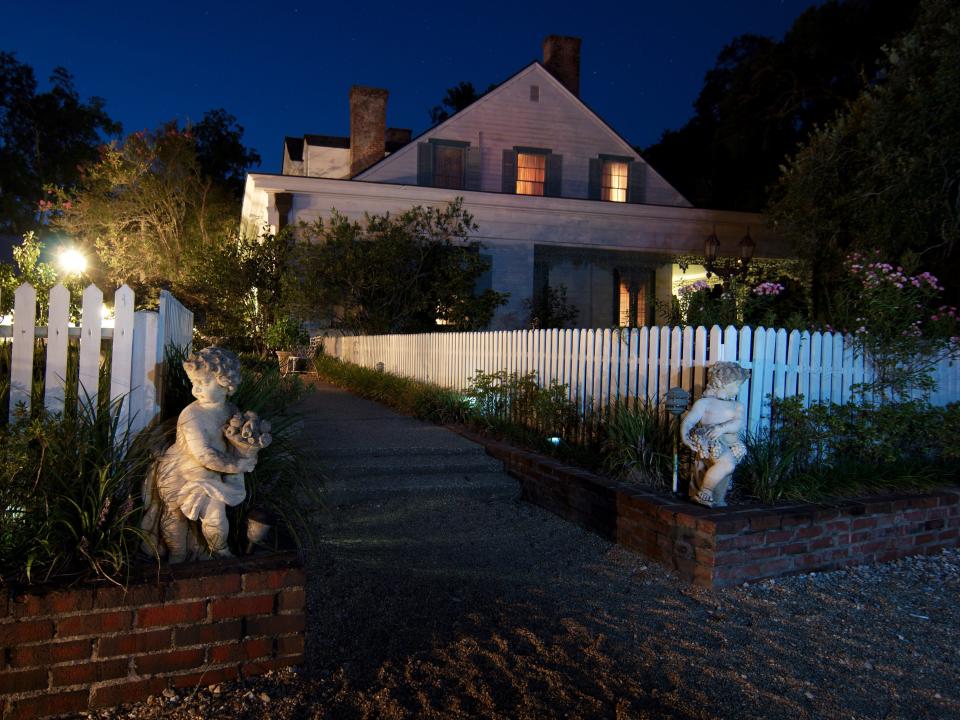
70, 496
285, 334
423, 401
639, 444
836, 450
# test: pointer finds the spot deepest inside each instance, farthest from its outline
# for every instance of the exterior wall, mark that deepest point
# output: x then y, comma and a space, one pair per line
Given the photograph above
83, 647
511, 225
327, 162
507, 117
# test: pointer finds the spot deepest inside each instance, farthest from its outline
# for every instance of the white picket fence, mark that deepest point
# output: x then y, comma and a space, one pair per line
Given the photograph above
138, 341
604, 366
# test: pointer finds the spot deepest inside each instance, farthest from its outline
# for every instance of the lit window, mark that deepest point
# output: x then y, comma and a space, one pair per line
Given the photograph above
625, 304
633, 288
531, 173
448, 167
613, 185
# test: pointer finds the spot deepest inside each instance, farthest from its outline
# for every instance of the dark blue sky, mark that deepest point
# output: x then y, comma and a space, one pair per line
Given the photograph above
285, 68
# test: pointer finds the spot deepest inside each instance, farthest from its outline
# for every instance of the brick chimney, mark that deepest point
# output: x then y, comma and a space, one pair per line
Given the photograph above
368, 127
561, 56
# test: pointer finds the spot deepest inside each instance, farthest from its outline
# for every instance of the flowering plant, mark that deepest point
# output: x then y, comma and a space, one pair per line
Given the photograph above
898, 323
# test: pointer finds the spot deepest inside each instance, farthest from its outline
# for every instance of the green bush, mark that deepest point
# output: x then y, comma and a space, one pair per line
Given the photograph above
285, 334
829, 451
639, 444
69, 501
423, 401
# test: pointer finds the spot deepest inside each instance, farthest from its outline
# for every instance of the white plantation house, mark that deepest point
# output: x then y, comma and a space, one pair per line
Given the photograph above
559, 197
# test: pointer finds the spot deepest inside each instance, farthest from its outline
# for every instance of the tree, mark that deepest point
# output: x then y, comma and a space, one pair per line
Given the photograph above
885, 175
221, 154
147, 208
763, 97
413, 272
456, 99
44, 138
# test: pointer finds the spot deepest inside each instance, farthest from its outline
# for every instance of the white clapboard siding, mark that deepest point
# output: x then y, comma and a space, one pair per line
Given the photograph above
136, 340
603, 367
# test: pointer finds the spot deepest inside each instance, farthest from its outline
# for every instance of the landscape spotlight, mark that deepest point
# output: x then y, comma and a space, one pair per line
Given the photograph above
71, 261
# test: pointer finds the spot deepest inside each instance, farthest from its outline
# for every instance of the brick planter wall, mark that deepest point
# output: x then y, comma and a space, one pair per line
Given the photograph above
66, 650
716, 547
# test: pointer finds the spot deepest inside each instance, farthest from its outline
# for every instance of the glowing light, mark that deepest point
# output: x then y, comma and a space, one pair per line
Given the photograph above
553, 440
71, 261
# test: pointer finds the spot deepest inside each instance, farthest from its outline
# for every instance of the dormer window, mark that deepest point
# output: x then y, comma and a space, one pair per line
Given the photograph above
613, 186
531, 173
616, 178
448, 166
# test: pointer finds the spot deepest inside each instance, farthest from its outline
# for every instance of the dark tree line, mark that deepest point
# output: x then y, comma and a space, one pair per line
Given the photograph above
48, 137
763, 99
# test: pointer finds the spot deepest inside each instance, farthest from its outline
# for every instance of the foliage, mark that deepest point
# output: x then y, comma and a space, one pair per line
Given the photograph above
639, 444
550, 309
897, 322
285, 334
147, 208
30, 269
763, 97
160, 211
221, 154
421, 400
282, 485
885, 175
412, 272
843, 450
69, 500
44, 138
501, 400
770, 293
461, 95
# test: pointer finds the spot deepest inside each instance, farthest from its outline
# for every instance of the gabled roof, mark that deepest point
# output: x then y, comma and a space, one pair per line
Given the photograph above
544, 75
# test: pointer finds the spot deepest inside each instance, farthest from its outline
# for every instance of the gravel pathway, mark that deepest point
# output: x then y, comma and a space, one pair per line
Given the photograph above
437, 593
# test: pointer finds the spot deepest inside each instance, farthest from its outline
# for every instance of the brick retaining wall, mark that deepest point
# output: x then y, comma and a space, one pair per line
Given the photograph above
717, 547
66, 650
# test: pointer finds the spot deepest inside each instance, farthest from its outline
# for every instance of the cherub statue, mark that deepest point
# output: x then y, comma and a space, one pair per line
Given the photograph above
202, 472
712, 430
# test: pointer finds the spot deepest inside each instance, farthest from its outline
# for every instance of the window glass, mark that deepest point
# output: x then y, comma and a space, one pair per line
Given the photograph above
448, 167
531, 173
625, 304
614, 181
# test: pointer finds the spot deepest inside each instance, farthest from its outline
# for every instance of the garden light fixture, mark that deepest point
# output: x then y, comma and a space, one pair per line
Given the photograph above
71, 261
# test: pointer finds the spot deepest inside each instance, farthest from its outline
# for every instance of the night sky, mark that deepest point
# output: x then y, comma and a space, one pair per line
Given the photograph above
285, 68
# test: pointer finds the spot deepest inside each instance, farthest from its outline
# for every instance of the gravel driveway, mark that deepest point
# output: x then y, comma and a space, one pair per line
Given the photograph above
437, 593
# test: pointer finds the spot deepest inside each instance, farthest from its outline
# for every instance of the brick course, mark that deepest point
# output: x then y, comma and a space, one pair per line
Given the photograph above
716, 547
96, 646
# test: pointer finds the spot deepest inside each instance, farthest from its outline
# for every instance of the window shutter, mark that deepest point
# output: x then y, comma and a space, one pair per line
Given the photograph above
554, 183
472, 173
596, 170
637, 182
424, 164
508, 174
